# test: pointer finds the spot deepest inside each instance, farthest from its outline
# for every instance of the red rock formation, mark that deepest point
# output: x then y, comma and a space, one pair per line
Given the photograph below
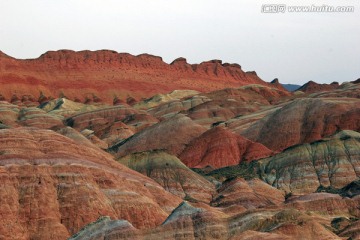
105, 74
249, 194
112, 124
199, 221
50, 187
349, 90
277, 84
219, 147
304, 120
325, 204
311, 87
170, 135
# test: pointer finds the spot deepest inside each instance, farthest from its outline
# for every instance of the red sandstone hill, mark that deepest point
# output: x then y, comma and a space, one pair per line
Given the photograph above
219, 147
104, 75
311, 87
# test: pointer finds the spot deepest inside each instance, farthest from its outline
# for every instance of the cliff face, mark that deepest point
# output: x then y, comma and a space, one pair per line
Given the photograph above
102, 75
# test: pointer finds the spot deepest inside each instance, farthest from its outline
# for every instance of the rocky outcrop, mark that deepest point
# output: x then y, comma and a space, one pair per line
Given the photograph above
9, 114
171, 174
65, 107
196, 221
170, 135
163, 98
278, 85
311, 87
333, 162
326, 204
221, 105
35, 117
52, 186
174, 107
99, 75
346, 90
250, 194
303, 121
219, 147
111, 124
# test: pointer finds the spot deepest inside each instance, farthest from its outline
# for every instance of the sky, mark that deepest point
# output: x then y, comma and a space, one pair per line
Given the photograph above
294, 47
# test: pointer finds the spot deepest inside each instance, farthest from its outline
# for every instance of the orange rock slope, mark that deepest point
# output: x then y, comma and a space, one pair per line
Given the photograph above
219, 147
51, 186
105, 75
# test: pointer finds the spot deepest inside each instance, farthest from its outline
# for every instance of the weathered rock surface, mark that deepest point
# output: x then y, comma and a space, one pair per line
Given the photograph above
51, 187
198, 221
311, 87
305, 120
172, 174
219, 147
9, 114
163, 98
249, 194
221, 105
333, 162
35, 117
172, 108
349, 90
94, 76
65, 107
112, 124
171, 135
326, 204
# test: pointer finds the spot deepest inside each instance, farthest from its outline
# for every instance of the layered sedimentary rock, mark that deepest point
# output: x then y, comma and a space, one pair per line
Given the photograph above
333, 162
9, 114
349, 90
326, 204
172, 174
65, 107
221, 105
277, 84
158, 99
102, 76
51, 187
170, 135
303, 121
35, 117
249, 194
197, 221
219, 147
172, 108
311, 87
111, 124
